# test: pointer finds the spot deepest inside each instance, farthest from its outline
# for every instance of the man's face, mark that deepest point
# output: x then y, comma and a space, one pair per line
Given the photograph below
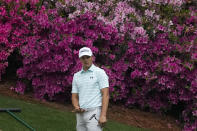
86, 61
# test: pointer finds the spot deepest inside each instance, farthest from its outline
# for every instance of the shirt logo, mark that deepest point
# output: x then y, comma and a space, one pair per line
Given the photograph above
91, 77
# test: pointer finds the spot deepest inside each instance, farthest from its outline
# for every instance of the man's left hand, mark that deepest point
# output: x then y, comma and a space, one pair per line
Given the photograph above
102, 121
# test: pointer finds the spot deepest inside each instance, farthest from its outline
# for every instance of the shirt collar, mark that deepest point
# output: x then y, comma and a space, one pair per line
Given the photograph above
90, 69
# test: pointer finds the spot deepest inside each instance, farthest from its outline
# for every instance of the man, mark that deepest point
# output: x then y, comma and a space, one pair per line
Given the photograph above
90, 94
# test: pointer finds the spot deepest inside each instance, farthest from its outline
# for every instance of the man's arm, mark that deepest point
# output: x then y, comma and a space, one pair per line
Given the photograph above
75, 96
75, 102
105, 102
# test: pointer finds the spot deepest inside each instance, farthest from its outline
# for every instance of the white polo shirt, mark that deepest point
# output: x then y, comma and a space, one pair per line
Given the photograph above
88, 85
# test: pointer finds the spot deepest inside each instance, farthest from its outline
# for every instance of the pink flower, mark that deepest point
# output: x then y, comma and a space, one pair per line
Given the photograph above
139, 31
135, 73
194, 56
112, 56
149, 13
161, 28
194, 113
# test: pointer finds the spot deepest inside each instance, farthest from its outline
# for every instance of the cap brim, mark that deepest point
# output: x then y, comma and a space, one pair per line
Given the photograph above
88, 54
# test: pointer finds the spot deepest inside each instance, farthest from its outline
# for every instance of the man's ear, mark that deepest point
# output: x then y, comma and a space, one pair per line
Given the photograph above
80, 59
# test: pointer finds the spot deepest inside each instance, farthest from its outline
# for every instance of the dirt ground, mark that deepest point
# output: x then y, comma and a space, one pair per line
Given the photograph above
133, 117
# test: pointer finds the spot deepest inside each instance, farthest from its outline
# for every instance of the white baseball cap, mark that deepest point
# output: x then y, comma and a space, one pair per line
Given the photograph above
85, 51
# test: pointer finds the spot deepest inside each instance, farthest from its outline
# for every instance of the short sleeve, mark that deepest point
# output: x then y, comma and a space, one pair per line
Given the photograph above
74, 85
103, 79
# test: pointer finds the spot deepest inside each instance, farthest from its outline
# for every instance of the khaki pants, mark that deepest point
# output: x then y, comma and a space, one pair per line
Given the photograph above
83, 120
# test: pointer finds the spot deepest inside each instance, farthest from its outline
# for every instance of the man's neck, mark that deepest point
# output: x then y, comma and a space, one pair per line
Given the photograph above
86, 68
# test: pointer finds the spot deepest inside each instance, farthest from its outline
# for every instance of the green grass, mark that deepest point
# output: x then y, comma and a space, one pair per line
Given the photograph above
43, 118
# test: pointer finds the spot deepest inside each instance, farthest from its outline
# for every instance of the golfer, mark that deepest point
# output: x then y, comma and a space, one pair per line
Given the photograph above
90, 94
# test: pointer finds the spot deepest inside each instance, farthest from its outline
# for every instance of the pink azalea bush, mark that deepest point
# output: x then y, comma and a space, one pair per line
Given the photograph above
147, 47
13, 28
50, 56
9, 35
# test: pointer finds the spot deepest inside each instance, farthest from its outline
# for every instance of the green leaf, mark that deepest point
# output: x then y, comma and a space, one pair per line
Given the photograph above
187, 87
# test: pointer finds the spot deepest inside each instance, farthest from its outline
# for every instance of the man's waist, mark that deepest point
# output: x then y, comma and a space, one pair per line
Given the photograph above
92, 108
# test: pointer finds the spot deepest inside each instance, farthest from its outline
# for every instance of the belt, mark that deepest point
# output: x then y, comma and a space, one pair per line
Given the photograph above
91, 109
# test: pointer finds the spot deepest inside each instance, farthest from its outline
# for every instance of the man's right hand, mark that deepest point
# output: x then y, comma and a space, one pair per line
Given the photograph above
78, 110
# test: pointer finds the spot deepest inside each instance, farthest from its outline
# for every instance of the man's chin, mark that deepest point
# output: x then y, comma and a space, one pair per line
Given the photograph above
87, 65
